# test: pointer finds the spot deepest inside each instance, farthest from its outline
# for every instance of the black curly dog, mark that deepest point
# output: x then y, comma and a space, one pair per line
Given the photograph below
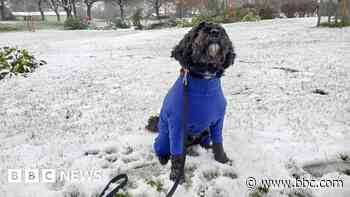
205, 53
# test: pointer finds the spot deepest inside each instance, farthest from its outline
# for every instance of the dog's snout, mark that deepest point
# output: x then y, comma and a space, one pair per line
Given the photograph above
214, 33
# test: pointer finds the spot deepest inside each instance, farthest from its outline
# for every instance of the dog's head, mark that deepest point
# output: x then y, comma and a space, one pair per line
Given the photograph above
205, 48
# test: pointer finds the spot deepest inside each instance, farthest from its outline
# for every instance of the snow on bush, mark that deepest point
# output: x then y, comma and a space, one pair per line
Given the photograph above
14, 61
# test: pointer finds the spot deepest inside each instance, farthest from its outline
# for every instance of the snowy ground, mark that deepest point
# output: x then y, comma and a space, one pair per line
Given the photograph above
99, 88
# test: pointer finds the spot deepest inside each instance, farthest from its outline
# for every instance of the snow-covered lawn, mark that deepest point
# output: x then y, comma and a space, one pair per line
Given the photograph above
99, 88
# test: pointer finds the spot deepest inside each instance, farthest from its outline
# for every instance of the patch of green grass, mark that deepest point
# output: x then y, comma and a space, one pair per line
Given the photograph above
122, 195
9, 27
335, 24
6, 28
156, 185
38, 25
47, 18
260, 191
20, 25
250, 17
54, 19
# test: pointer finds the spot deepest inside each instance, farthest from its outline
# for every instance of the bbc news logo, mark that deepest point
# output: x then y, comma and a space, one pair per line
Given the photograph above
52, 175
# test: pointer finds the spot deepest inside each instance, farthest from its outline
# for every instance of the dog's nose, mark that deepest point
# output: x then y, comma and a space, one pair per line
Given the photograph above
214, 33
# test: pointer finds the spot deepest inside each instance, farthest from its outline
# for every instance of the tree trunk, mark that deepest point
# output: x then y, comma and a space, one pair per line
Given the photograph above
344, 11
157, 12
74, 8
68, 12
319, 13
2, 9
157, 7
41, 10
67, 6
88, 10
121, 6
54, 6
336, 17
57, 15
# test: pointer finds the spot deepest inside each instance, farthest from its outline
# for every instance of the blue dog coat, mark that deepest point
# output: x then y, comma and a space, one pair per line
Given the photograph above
206, 109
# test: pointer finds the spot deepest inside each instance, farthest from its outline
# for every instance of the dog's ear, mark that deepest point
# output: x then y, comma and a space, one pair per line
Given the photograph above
229, 51
230, 57
183, 51
202, 24
179, 53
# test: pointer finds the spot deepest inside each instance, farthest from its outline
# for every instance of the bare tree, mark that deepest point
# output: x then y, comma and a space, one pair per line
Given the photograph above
306, 7
74, 7
54, 6
155, 5
330, 9
344, 11
67, 6
89, 4
2, 9
289, 8
23, 5
5, 12
122, 4
40, 7
319, 13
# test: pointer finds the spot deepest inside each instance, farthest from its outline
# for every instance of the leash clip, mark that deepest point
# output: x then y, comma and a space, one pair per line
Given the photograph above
185, 77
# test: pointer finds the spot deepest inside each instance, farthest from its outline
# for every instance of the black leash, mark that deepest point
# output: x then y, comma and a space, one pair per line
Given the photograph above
198, 140
184, 73
115, 190
173, 189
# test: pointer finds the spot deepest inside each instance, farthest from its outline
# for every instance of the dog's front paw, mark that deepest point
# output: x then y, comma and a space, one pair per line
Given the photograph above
219, 153
178, 169
222, 158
